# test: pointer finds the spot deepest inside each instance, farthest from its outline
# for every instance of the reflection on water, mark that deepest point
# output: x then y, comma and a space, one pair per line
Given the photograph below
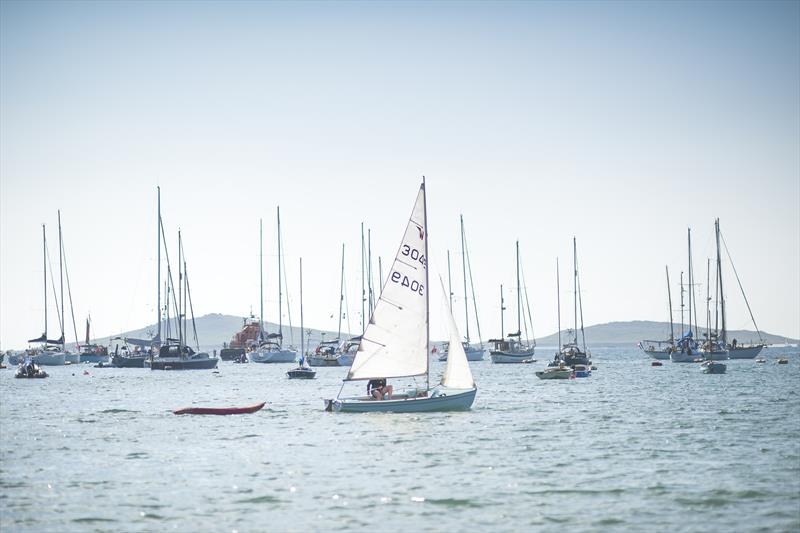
632, 447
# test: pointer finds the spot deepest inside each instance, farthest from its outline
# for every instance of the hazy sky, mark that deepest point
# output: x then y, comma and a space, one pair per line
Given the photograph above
619, 123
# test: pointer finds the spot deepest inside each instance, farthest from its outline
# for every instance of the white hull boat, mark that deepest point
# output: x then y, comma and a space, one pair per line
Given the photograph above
473, 354
749, 352
683, 357
440, 399
499, 357
49, 358
661, 356
272, 356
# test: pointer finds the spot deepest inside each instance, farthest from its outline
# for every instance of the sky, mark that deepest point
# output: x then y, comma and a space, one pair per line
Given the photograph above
619, 123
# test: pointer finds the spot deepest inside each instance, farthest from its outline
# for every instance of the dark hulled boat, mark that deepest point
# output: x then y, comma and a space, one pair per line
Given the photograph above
178, 357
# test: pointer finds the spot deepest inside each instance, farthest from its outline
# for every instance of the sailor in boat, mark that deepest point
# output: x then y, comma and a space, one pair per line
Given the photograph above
378, 389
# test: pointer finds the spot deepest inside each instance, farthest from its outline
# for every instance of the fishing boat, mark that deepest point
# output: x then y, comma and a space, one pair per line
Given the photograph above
219, 410
270, 348
396, 340
30, 370
572, 353
474, 353
512, 349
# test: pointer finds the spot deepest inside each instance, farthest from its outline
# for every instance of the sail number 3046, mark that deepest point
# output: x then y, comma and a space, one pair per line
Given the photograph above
413, 284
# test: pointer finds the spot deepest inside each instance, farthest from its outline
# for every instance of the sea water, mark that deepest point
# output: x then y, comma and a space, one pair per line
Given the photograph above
633, 447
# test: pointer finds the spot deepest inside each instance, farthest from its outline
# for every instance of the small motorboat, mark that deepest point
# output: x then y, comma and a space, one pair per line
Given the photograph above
761, 360
714, 367
555, 372
29, 369
301, 373
656, 363
783, 361
219, 410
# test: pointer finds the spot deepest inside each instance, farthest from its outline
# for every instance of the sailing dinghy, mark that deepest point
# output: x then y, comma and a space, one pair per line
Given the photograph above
396, 340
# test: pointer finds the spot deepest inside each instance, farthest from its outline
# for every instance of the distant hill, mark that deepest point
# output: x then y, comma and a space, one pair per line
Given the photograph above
635, 330
215, 329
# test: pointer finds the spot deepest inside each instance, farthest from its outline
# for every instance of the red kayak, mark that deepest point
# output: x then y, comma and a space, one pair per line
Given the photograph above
219, 410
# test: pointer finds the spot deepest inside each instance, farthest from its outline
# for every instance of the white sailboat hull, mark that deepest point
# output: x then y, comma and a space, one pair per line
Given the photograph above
511, 357
274, 356
683, 357
750, 352
440, 399
49, 359
473, 354
657, 354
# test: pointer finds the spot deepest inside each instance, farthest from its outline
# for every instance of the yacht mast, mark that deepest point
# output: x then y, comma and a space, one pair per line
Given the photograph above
341, 296
44, 259
261, 279
575, 286
464, 269
363, 291
669, 299
61, 275
519, 300
449, 282
280, 288
427, 292
158, 260
558, 299
502, 308
721, 298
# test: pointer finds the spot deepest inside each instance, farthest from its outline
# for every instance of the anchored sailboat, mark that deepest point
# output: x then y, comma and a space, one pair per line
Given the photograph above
572, 353
512, 349
396, 340
270, 348
473, 353
49, 354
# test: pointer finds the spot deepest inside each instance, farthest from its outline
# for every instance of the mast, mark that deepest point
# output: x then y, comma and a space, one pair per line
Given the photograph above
427, 292
464, 269
575, 285
682, 291
280, 289
180, 292
472, 285
558, 299
44, 259
261, 279
708, 302
302, 344
369, 272
363, 292
669, 299
519, 301
449, 282
721, 299
158, 260
61, 275
692, 302
502, 308
341, 296
380, 277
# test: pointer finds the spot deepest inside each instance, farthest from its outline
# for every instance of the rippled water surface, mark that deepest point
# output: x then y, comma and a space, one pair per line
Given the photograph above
631, 448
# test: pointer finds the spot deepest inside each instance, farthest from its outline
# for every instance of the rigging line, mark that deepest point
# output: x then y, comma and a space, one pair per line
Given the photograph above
347, 307
53, 283
472, 287
286, 286
528, 305
733, 267
69, 292
580, 307
169, 275
191, 307
401, 261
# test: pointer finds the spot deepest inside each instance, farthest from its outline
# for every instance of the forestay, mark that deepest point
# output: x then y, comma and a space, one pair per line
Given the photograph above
395, 342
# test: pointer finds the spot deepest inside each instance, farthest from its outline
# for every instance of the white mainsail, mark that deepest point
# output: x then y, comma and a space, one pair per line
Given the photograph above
395, 342
457, 374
